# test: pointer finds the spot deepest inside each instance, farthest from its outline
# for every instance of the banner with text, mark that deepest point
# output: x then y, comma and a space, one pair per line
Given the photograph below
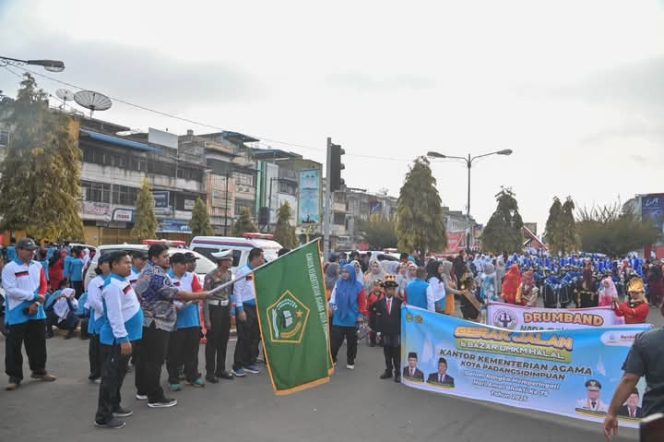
565, 372
516, 317
293, 319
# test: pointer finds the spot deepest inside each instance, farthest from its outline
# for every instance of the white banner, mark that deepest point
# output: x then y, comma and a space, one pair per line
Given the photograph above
516, 317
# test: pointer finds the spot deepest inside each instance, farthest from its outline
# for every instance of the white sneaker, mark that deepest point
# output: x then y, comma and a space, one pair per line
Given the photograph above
350, 366
141, 397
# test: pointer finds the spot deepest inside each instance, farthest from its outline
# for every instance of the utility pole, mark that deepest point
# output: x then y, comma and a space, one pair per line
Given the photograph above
326, 201
333, 182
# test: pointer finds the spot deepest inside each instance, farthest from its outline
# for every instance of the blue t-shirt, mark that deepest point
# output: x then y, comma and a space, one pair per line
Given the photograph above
188, 317
76, 270
416, 293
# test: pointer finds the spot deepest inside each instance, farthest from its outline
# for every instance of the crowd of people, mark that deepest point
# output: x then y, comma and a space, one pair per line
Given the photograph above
360, 288
142, 310
148, 310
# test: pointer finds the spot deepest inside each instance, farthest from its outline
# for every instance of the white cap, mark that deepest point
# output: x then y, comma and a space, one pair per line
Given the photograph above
220, 256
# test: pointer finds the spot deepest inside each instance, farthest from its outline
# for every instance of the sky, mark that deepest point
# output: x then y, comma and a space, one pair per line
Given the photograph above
574, 88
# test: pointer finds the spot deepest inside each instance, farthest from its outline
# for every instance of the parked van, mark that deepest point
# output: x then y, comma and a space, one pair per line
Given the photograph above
207, 245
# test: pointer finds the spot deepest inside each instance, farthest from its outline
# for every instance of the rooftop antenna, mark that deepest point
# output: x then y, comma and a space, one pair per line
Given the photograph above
95, 101
65, 95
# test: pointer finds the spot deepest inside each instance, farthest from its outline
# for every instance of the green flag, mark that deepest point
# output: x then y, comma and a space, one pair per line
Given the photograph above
293, 318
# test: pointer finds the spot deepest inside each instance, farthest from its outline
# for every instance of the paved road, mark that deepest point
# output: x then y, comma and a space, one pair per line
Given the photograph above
355, 406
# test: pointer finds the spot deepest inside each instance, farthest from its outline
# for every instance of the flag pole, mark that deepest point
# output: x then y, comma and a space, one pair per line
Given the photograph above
232, 281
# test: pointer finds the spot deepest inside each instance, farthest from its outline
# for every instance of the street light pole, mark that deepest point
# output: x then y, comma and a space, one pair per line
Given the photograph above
49, 65
469, 164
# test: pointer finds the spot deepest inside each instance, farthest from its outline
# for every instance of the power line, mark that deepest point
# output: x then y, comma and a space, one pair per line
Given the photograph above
201, 124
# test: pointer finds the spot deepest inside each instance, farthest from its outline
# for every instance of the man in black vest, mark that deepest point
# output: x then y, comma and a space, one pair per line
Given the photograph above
388, 313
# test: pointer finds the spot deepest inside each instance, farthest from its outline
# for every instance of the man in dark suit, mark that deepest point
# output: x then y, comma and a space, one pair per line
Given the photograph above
631, 407
412, 372
388, 318
441, 377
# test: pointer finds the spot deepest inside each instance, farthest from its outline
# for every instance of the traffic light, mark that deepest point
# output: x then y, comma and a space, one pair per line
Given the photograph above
336, 166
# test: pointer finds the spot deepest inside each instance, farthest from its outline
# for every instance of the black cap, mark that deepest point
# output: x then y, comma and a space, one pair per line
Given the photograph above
139, 254
27, 244
593, 384
190, 257
412, 354
178, 258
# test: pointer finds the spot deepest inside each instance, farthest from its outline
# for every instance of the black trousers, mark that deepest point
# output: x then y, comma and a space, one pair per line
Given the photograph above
113, 373
183, 350
392, 359
338, 336
95, 357
78, 288
149, 359
219, 330
248, 338
32, 334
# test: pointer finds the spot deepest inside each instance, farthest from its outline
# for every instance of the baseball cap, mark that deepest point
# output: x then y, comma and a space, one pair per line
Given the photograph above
27, 244
224, 255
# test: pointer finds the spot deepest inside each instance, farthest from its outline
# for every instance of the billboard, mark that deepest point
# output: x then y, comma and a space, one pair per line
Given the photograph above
652, 208
309, 207
161, 198
545, 370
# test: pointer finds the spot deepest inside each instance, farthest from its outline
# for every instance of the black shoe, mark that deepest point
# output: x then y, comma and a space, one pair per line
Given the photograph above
397, 379
226, 375
386, 375
212, 379
113, 423
121, 412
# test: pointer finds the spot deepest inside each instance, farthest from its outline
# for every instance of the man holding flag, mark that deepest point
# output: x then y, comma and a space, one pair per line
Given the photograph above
244, 306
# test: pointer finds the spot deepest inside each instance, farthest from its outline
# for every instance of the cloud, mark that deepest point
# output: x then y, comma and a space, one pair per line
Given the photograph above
146, 77
639, 85
366, 83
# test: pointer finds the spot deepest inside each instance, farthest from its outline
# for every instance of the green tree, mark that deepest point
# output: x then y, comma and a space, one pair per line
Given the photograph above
284, 233
607, 230
420, 225
552, 230
41, 172
569, 238
244, 223
503, 231
379, 232
145, 226
200, 220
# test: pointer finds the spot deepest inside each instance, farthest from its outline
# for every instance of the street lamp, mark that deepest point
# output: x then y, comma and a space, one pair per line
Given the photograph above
469, 163
49, 65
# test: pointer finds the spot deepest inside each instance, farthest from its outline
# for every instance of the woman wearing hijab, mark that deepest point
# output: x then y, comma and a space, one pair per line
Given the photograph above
500, 274
636, 309
331, 275
436, 287
407, 273
488, 287
527, 292
450, 287
349, 306
359, 276
607, 291
511, 284
375, 273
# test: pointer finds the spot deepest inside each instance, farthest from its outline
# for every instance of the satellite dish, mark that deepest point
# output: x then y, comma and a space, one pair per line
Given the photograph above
92, 100
65, 95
